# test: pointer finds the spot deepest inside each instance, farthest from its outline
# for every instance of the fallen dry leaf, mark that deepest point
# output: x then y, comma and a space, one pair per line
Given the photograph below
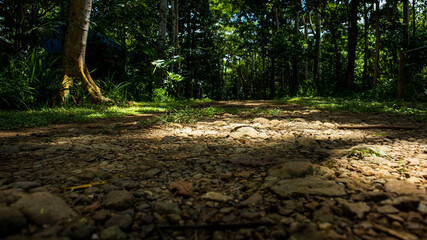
182, 188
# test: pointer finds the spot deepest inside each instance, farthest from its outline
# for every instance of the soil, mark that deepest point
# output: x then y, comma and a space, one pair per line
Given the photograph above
297, 174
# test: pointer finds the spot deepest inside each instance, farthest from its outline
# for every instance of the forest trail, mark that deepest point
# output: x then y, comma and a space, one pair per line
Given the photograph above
293, 173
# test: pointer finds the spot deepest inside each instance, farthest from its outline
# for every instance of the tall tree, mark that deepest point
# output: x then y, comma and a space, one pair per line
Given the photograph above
73, 57
405, 24
163, 22
352, 41
377, 43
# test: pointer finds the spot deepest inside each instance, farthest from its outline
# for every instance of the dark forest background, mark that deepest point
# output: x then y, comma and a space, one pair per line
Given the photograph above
149, 50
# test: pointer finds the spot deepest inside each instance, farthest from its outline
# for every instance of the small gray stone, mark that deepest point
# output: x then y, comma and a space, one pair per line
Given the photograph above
422, 207
119, 200
166, 207
310, 185
11, 220
248, 131
291, 170
113, 233
122, 221
44, 208
25, 185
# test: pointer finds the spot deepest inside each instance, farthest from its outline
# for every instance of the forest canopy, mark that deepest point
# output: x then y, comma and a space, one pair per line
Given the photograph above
147, 50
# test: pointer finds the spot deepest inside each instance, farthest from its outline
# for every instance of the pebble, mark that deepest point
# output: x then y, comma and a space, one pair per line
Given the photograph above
123, 221
113, 233
119, 200
166, 207
44, 208
11, 221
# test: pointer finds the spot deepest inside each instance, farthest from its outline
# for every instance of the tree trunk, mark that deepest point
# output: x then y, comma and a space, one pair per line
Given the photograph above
352, 41
405, 24
163, 23
317, 67
377, 43
306, 39
413, 19
73, 56
295, 63
366, 48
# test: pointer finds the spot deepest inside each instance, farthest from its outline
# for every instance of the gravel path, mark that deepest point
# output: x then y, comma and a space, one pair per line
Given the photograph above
297, 174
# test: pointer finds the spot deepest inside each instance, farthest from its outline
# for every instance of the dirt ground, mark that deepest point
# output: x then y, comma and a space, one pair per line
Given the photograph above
295, 174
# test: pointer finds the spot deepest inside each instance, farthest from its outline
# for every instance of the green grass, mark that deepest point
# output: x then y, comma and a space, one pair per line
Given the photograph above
190, 111
417, 111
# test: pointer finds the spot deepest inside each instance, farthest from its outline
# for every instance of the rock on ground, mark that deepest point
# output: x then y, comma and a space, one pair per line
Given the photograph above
45, 208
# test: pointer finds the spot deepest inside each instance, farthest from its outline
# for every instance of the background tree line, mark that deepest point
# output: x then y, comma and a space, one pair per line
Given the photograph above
143, 50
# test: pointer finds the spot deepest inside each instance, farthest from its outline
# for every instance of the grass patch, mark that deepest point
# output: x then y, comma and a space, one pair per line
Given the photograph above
417, 111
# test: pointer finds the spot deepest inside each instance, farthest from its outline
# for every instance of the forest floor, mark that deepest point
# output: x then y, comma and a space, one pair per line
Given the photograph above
296, 174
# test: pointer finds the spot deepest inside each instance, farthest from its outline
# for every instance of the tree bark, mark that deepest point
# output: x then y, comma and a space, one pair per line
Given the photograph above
352, 41
318, 46
306, 39
73, 56
163, 22
377, 43
405, 24
366, 48
295, 60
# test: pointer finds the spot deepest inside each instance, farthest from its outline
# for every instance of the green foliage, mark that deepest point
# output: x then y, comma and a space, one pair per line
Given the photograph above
361, 152
117, 92
29, 81
417, 111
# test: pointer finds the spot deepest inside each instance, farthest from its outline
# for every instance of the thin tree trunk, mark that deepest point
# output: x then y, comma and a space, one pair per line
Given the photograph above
413, 19
306, 39
317, 67
163, 23
405, 24
73, 58
366, 48
377, 43
295, 70
352, 41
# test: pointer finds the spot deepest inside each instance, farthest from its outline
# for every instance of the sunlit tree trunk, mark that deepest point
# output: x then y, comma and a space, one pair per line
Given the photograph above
352, 41
73, 58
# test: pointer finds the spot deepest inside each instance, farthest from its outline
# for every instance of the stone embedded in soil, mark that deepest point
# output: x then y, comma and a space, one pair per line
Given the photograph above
402, 188
261, 120
113, 233
122, 221
422, 207
310, 185
45, 208
357, 209
248, 131
25, 185
11, 220
119, 200
216, 197
166, 207
291, 170
252, 200
387, 209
